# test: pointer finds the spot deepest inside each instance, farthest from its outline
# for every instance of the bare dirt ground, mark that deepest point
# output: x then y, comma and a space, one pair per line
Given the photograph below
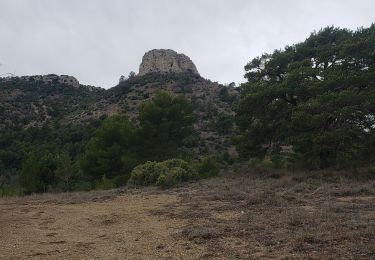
235, 216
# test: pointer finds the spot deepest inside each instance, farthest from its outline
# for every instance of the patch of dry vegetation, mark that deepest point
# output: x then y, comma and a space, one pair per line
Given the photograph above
280, 215
241, 214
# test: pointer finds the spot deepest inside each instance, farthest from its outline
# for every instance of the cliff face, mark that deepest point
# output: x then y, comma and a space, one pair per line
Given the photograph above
164, 61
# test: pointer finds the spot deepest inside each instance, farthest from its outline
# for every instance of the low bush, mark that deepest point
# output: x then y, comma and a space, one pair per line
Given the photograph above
178, 171
171, 178
208, 167
104, 184
147, 173
81, 186
188, 171
166, 174
120, 181
8, 191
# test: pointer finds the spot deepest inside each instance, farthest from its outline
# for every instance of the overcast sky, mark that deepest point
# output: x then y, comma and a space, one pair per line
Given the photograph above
99, 40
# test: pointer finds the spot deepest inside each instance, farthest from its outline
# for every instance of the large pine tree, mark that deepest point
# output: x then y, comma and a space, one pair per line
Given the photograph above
318, 96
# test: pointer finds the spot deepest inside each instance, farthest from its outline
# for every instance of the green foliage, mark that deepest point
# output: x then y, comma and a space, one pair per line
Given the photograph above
224, 123
37, 174
56, 147
65, 171
104, 184
165, 174
184, 80
81, 185
316, 96
165, 122
147, 173
178, 171
208, 167
36, 101
227, 158
53, 155
225, 96
112, 150
8, 191
120, 181
118, 146
172, 177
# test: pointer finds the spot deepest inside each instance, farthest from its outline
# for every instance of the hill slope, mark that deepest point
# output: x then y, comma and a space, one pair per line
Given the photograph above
25, 104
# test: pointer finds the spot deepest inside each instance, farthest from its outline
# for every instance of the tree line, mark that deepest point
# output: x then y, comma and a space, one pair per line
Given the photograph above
103, 152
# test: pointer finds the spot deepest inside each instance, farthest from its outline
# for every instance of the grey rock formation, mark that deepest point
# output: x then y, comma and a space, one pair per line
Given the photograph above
164, 61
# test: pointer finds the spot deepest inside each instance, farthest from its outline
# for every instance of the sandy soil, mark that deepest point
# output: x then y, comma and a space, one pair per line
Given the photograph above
119, 227
236, 216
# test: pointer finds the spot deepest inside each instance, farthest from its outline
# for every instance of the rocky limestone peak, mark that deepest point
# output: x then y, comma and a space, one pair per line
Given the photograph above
164, 61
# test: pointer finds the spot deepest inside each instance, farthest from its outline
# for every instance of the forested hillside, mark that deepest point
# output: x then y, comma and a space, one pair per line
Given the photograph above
307, 106
52, 134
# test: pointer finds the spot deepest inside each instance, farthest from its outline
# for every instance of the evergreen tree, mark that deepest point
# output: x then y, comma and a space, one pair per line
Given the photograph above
165, 122
111, 152
317, 96
37, 173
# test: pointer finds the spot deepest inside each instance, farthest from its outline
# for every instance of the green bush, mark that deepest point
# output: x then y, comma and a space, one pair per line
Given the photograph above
104, 184
188, 172
81, 186
261, 165
208, 167
120, 181
226, 157
8, 191
171, 177
178, 171
165, 174
147, 173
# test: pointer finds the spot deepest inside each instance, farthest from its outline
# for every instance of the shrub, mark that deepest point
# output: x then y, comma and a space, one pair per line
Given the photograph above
188, 174
178, 171
263, 165
208, 167
171, 177
81, 186
165, 174
37, 174
104, 184
226, 157
120, 181
8, 191
147, 173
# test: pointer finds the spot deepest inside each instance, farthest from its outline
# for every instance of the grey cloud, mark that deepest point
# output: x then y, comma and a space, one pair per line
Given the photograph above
97, 40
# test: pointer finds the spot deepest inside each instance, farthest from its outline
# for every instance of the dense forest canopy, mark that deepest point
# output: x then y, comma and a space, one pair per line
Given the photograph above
316, 96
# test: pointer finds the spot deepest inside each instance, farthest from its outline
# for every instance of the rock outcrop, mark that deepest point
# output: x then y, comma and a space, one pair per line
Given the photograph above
164, 61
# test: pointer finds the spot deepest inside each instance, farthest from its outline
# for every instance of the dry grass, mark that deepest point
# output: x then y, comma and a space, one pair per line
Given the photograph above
280, 215
239, 215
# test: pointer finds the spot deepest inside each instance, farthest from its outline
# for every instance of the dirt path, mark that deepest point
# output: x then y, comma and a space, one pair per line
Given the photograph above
116, 228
